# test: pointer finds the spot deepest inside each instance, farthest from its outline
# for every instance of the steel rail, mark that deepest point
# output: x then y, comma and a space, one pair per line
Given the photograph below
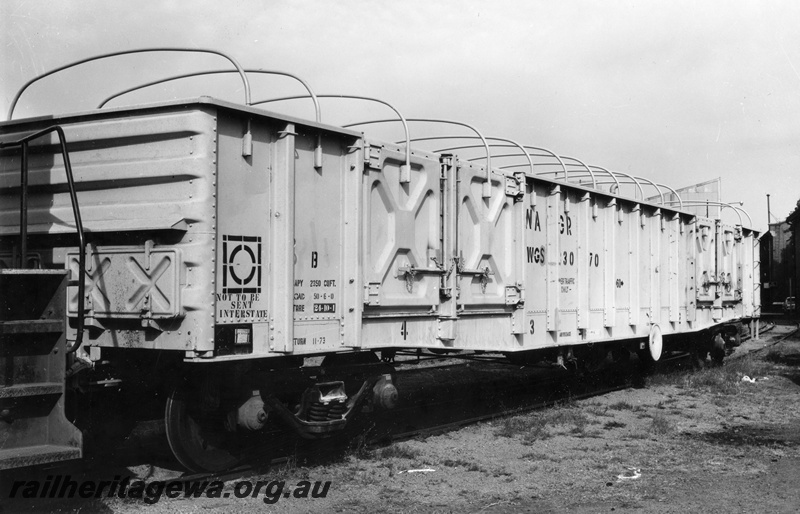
259, 460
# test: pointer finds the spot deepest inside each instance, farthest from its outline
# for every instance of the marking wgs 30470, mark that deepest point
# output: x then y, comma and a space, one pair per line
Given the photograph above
537, 254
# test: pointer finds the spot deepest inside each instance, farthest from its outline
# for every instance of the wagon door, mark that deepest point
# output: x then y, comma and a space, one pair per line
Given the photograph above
748, 277
706, 265
728, 259
488, 261
402, 247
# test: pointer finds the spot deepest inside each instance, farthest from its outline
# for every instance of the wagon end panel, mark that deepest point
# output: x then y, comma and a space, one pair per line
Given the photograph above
325, 297
242, 241
287, 240
145, 184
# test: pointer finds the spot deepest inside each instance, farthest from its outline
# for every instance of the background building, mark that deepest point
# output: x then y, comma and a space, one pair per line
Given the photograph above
778, 265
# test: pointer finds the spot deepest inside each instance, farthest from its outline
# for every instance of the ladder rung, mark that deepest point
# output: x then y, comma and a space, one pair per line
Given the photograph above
36, 389
40, 454
31, 326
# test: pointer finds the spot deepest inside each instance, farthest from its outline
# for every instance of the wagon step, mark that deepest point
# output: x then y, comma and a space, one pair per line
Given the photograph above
34, 428
35, 455
28, 390
32, 326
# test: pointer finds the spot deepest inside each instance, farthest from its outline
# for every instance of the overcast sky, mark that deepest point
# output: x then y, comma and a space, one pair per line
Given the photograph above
678, 92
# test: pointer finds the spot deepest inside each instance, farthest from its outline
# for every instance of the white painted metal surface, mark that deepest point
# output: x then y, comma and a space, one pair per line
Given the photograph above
310, 256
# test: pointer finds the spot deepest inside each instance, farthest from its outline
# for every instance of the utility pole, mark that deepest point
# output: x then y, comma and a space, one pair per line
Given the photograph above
769, 215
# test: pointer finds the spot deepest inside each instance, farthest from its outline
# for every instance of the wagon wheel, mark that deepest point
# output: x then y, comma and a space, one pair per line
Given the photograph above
197, 437
620, 354
593, 360
700, 355
718, 349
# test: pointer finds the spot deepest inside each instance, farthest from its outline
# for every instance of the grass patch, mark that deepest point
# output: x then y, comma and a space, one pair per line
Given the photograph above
599, 411
724, 380
775, 357
534, 427
623, 405
661, 425
397, 451
535, 456
459, 463
530, 427
720, 401
783, 357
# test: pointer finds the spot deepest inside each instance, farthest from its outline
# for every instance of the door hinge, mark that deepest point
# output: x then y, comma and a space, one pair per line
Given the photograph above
515, 295
515, 186
372, 156
372, 293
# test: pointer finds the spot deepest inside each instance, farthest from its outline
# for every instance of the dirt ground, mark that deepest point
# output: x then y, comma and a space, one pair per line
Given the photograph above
706, 440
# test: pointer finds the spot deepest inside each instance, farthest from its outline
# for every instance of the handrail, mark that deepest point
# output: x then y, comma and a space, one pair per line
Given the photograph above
658, 189
512, 144
612, 173
700, 203
403, 172
524, 147
581, 163
128, 52
614, 177
487, 193
76, 212
680, 200
217, 72
633, 181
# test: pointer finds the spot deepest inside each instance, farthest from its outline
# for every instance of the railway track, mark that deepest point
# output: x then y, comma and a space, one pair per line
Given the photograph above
571, 386
433, 399
520, 396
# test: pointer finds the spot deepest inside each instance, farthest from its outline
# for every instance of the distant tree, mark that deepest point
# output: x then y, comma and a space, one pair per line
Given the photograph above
794, 216
793, 249
793, 219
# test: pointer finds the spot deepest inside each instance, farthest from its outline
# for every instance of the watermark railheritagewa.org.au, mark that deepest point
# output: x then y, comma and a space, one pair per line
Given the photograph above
63, 486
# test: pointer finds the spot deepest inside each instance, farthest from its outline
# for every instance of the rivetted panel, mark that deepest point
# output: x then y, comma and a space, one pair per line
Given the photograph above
705, 260
402, 232
486, 247
144, 172
146, 186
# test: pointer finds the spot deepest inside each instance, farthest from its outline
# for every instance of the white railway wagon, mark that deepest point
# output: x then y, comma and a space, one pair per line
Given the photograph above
232, 242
